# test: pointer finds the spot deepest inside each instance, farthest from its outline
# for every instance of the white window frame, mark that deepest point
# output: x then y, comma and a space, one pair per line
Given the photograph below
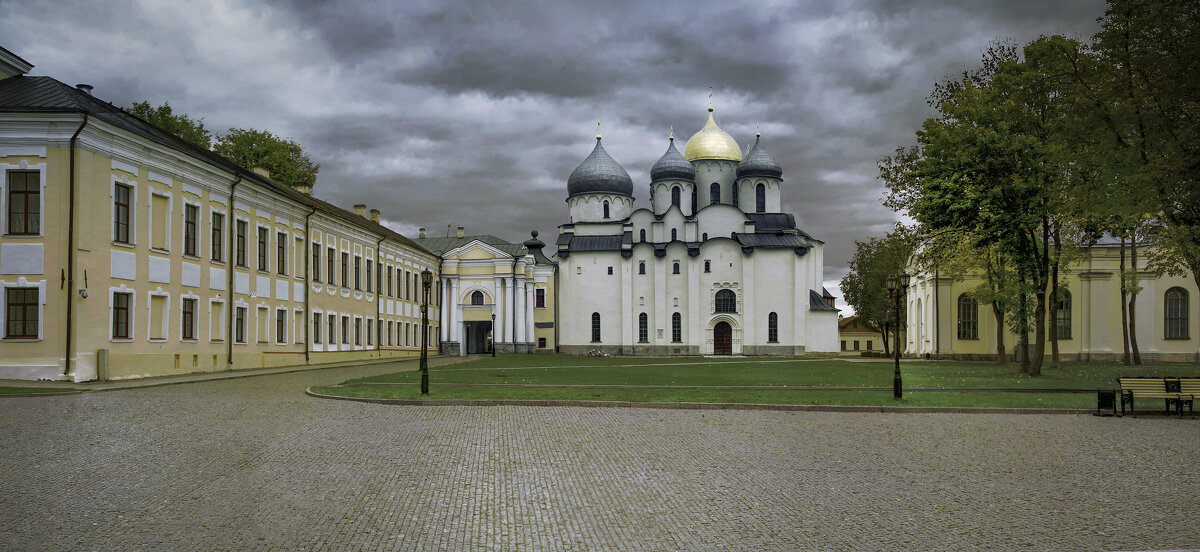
23, 166
22, 283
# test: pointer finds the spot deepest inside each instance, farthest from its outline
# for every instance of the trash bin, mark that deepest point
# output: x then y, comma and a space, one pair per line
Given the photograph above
1106, 402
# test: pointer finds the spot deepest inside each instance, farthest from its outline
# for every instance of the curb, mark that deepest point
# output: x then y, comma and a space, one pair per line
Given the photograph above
706, 406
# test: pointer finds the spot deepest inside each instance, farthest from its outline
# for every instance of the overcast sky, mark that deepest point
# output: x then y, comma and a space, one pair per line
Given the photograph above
475, 113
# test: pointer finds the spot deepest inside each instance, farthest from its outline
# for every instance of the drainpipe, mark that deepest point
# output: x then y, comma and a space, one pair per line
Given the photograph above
231, 263
307, 284
378, 296
70, 351
557, 321
512, 317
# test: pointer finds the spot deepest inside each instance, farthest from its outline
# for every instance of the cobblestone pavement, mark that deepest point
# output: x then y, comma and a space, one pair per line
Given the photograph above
254, 464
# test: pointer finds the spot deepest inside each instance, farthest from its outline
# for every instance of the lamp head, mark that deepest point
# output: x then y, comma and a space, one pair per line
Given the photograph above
891, 283
904, 278
426, 277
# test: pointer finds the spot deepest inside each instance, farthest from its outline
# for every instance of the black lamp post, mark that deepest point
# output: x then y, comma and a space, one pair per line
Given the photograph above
493, 333
426, 280
897, 287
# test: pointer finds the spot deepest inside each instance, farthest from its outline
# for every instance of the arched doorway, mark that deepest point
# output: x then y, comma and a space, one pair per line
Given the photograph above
722, 339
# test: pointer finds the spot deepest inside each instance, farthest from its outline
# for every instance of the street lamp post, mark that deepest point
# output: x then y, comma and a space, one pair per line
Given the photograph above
426, 280
493, 333
897, 287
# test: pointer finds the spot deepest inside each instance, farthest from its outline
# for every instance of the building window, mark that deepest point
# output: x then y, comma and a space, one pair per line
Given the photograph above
541, 343
345, 269
610, 271
358, 331
642, 235
218, 237
760, 198
855, 344
674, 234
121, 194
605, 209
477, 297
1062, 315
675, 267
316, 262
869, 343
24, 202
676, 328
332, 329
704, 236
239, 325
370, 324
189, 319
1175, 315
726, 301
281, 326
843, 344
281, 253
22, 313
369, 269
708, 266
191, 214
240, 246
345, 329
968, 317
595, 327
539, 298
773, 328
390, 327
330, 255
714, 192
120, 320
641, 267
316, 328
357, 272
389, 281
263, 239
643, 328
694, 200
675, 196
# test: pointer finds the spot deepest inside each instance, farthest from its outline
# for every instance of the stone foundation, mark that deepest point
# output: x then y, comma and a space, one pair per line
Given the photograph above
450, 348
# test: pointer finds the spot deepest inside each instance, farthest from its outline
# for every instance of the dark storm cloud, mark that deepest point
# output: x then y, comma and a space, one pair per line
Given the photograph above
474, 113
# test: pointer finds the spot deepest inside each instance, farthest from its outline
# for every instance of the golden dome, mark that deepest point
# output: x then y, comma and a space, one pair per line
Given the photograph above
712, 143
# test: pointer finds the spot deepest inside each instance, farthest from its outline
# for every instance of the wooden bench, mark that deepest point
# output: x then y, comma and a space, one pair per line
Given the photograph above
1190, 388
1168, 389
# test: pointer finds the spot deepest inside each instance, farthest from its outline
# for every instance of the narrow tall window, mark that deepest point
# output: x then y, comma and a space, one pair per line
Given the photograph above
968, 317
695, 202
332, 329
714, 192
676, 328
357, 272
189, 319
675, 267
642, 235
121, 194
641, 267
370, 267
345, 329
345, 270
190, 215
24, 203
595, 327
264, 239
605, 209
120, 320
675, 196
726, 301
643, 328
674, 234
316, 262
239, 325
389, 281
21, 316
240, 245
218, 237
760, 198
316, 327
1062, 315
358, 331
281, 326
773, 328
281, 246
330, 275
707, 266
477, 297
539, 298
1175, 313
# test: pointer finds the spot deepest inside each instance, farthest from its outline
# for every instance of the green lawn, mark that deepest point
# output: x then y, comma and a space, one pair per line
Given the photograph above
526, 377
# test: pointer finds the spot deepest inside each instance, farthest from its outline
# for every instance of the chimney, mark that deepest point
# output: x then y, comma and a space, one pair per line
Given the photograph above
375, 216
85, 88
460, 232
261, 171
361, 210
303, 188
421, 232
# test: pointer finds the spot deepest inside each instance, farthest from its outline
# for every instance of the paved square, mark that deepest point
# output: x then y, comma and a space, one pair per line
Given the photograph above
253, 463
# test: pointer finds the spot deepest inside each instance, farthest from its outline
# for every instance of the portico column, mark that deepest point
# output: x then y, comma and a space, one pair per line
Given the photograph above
456, 306
519, 310
498, 330
444, 307
508, 305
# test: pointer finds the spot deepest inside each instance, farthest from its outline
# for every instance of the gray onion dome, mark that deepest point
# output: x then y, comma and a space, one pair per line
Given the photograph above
672, 165
599, 173
759, 162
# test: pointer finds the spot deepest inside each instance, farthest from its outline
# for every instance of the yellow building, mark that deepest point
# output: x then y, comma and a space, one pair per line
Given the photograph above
944, 320
126, 252
857, 335
495, 294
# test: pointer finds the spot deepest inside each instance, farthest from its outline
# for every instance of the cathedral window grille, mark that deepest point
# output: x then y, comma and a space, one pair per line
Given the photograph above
1175, 315
675, 196
610, 271
968, 317
477, 297
595, 327
605, 209
773, 328
674, 234
676, 328
675, 268
643, 328
641, 267
1062, 315
760, 198
704, 236
726, 301
642, 234
714, 191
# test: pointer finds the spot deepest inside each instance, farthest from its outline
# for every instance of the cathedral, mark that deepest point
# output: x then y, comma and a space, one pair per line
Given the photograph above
712, 268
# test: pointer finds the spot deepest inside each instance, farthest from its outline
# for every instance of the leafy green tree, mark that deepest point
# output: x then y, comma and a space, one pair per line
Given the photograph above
284, 158
864, 287
178, 124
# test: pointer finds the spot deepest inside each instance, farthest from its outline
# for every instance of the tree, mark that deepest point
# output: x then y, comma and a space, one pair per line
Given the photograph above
864, 288
182, 126
284, 158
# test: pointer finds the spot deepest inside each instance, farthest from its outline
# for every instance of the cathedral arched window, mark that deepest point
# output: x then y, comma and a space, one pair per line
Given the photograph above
726, 301
773, 328
1062, 315
643, 328
641, 267
676, 328
675, 196
674, 234
642, 235
1175, 315
477, 297
704, 236
968, 317
760, 198
675, 269
694, 202
595, 327
735, 195
714, 193
605, 209
707, 266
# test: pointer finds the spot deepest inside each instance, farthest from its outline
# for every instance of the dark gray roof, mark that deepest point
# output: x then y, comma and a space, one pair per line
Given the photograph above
817, 303
772, 241
439, 246
772, 222
599, 173
672, 165
759, 162
26, 94
596, 243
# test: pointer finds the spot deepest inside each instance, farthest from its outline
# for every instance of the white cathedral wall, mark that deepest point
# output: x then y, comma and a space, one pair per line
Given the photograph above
590, 207
662, 195
747, 196
720, 220
721, 172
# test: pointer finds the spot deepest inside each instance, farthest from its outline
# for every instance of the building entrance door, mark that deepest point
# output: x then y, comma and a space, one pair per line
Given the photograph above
479, 338
723, 339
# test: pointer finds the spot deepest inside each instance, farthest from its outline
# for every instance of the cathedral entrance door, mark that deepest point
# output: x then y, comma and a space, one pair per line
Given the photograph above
723, 339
